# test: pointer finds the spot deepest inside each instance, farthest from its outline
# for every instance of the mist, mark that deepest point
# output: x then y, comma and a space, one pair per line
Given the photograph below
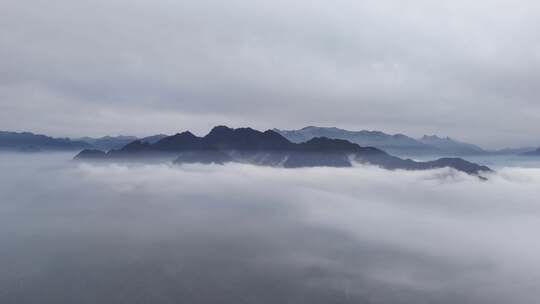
132, 233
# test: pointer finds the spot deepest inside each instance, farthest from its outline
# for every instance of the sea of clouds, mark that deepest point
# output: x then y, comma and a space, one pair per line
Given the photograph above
118, 233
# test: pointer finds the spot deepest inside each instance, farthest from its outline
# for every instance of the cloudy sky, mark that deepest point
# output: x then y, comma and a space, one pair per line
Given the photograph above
468, 69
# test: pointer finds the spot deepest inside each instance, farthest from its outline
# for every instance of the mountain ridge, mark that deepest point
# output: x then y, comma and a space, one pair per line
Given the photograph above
399, 144
223, 144
116, 142
28, 141
451, 145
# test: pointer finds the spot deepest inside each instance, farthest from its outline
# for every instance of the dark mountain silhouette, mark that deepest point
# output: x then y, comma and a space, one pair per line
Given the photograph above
247, 145
26, 142
178, 142
532, 153
225, 138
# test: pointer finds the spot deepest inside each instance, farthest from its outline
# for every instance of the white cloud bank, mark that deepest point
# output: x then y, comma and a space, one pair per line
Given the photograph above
245, 233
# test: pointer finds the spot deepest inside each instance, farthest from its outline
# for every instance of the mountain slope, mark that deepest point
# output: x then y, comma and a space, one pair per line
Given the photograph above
247, 145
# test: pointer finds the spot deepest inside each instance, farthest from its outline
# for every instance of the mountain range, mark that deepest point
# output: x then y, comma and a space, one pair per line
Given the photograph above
30, 142
268, 148
452, 146
398, 144
116, 142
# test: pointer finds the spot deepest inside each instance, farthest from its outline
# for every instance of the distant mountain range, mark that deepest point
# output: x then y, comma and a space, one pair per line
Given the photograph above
398, 144
452, 146
108, 142
30, 142
116, 142
387, 142
270, 148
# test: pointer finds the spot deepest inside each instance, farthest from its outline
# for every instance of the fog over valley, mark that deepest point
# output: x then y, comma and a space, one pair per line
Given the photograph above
76, 232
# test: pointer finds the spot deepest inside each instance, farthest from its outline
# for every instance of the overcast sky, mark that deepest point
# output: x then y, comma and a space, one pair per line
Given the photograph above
467, 69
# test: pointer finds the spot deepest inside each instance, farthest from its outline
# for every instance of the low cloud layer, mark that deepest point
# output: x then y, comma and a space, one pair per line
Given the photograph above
243, 234
459, 68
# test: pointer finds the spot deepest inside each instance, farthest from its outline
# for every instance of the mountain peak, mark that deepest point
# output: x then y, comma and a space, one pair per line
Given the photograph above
219, 130
185, 134
222, 137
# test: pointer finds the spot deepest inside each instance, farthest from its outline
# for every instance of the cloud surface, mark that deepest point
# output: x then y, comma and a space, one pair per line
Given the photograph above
242, 234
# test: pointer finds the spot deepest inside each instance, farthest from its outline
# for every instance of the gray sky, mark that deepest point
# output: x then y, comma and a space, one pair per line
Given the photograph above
468, 69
